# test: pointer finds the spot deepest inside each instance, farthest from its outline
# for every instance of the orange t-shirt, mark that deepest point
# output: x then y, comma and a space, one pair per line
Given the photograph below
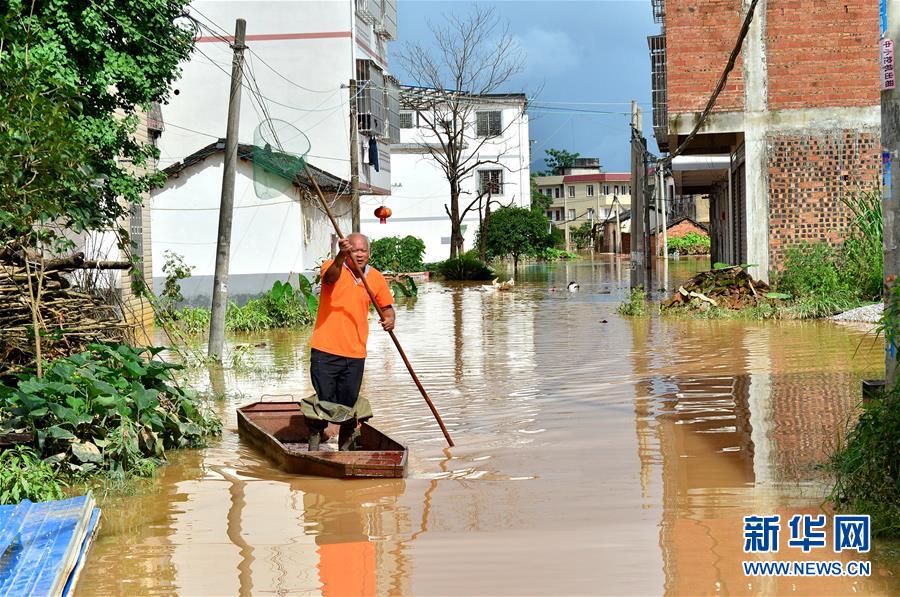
342, 326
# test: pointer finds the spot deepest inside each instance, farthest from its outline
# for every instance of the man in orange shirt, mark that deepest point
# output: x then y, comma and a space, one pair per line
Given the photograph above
338, 345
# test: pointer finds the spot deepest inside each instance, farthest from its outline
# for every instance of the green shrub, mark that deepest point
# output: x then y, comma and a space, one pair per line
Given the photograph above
396, 254
635, 304
23, 476
691, 243
466, 267
811, 270
867, 467
554, 254
193, 320
107, 410
282, 306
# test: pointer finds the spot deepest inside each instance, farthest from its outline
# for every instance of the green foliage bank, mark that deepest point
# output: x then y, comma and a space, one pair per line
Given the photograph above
112, 411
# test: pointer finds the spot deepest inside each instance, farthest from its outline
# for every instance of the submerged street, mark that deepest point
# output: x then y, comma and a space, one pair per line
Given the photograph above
595, 455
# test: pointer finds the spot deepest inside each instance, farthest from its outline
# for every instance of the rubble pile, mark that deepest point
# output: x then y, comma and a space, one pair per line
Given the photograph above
728, 288
70, 318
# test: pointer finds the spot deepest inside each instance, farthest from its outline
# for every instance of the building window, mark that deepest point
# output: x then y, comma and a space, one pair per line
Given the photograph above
590, 190
556, 192
626, 189
615, 189
445, 240
606, 189
571, 214
488, 124
558, 215
406, 120
490, 181
549, 214
571, 191
590, 213
549, 192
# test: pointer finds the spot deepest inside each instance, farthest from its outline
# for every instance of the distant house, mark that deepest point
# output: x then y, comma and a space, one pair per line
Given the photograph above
271, 239
583, 193
420, 190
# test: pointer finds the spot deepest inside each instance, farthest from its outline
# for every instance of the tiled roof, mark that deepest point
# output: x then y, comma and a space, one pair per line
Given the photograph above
599, 177
327, 181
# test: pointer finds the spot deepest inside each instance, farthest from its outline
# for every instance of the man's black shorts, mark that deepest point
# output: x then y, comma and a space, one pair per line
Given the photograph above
335, 378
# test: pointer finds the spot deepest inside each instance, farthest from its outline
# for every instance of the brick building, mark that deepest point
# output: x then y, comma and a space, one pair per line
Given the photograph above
796, 129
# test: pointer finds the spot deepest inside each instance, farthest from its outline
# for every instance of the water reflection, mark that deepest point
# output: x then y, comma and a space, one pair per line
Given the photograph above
594, 455
747, 442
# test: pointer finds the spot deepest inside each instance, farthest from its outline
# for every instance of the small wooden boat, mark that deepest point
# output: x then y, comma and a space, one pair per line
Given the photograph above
278, 430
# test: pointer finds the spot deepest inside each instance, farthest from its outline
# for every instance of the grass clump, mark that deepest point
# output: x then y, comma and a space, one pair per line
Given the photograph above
111, 410
465, 267
283, 306
866, 467
24, 476
635, 304
193, 320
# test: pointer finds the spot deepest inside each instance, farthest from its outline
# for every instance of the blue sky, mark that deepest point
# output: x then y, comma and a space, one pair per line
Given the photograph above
590, 54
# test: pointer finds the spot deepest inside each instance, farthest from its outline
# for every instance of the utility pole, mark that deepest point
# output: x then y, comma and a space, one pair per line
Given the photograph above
226, 208
637, 197
890, 143
661, 202
354, 159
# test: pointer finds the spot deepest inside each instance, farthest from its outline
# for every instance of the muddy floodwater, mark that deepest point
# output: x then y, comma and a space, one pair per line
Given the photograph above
595, 455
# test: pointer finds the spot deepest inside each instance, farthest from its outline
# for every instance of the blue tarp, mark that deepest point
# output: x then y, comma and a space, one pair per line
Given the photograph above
42, 545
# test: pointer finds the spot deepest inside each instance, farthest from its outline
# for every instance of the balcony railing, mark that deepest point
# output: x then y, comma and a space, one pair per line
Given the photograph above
657, 45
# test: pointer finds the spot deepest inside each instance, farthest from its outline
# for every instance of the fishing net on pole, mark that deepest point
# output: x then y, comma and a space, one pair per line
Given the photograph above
279, 156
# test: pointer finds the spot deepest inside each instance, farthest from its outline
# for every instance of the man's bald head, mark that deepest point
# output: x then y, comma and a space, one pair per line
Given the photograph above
357, 237
359, 249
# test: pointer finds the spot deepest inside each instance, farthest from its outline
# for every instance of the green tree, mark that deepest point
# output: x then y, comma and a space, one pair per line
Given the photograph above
581, 235
516, 232
80, 71
539, 201
72, 75
559, 159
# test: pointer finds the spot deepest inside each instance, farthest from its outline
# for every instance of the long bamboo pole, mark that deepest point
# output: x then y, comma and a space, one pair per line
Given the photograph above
359, 274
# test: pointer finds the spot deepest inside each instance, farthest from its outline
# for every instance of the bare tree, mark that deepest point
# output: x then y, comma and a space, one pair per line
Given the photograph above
472, 56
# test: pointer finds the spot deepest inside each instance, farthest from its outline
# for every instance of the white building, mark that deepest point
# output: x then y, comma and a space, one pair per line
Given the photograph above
271, 239
420, 190
301, 57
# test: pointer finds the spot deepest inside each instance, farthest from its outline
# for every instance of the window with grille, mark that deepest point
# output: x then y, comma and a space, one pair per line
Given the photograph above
488, 124
406, 120
136, 232
491, 181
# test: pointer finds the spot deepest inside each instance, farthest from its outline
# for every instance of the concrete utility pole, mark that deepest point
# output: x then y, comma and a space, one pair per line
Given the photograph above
226, 211
354, 159
890, 143
637, 188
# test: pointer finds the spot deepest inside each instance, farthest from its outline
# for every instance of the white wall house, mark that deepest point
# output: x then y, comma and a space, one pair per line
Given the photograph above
271, 239
419, 188
301, 57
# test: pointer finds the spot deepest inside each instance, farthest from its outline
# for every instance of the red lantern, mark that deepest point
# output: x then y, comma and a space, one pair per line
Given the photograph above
383, 213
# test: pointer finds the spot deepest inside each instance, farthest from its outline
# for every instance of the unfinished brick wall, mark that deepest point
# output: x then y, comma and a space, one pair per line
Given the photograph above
808, 176
700, 35
823, 53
